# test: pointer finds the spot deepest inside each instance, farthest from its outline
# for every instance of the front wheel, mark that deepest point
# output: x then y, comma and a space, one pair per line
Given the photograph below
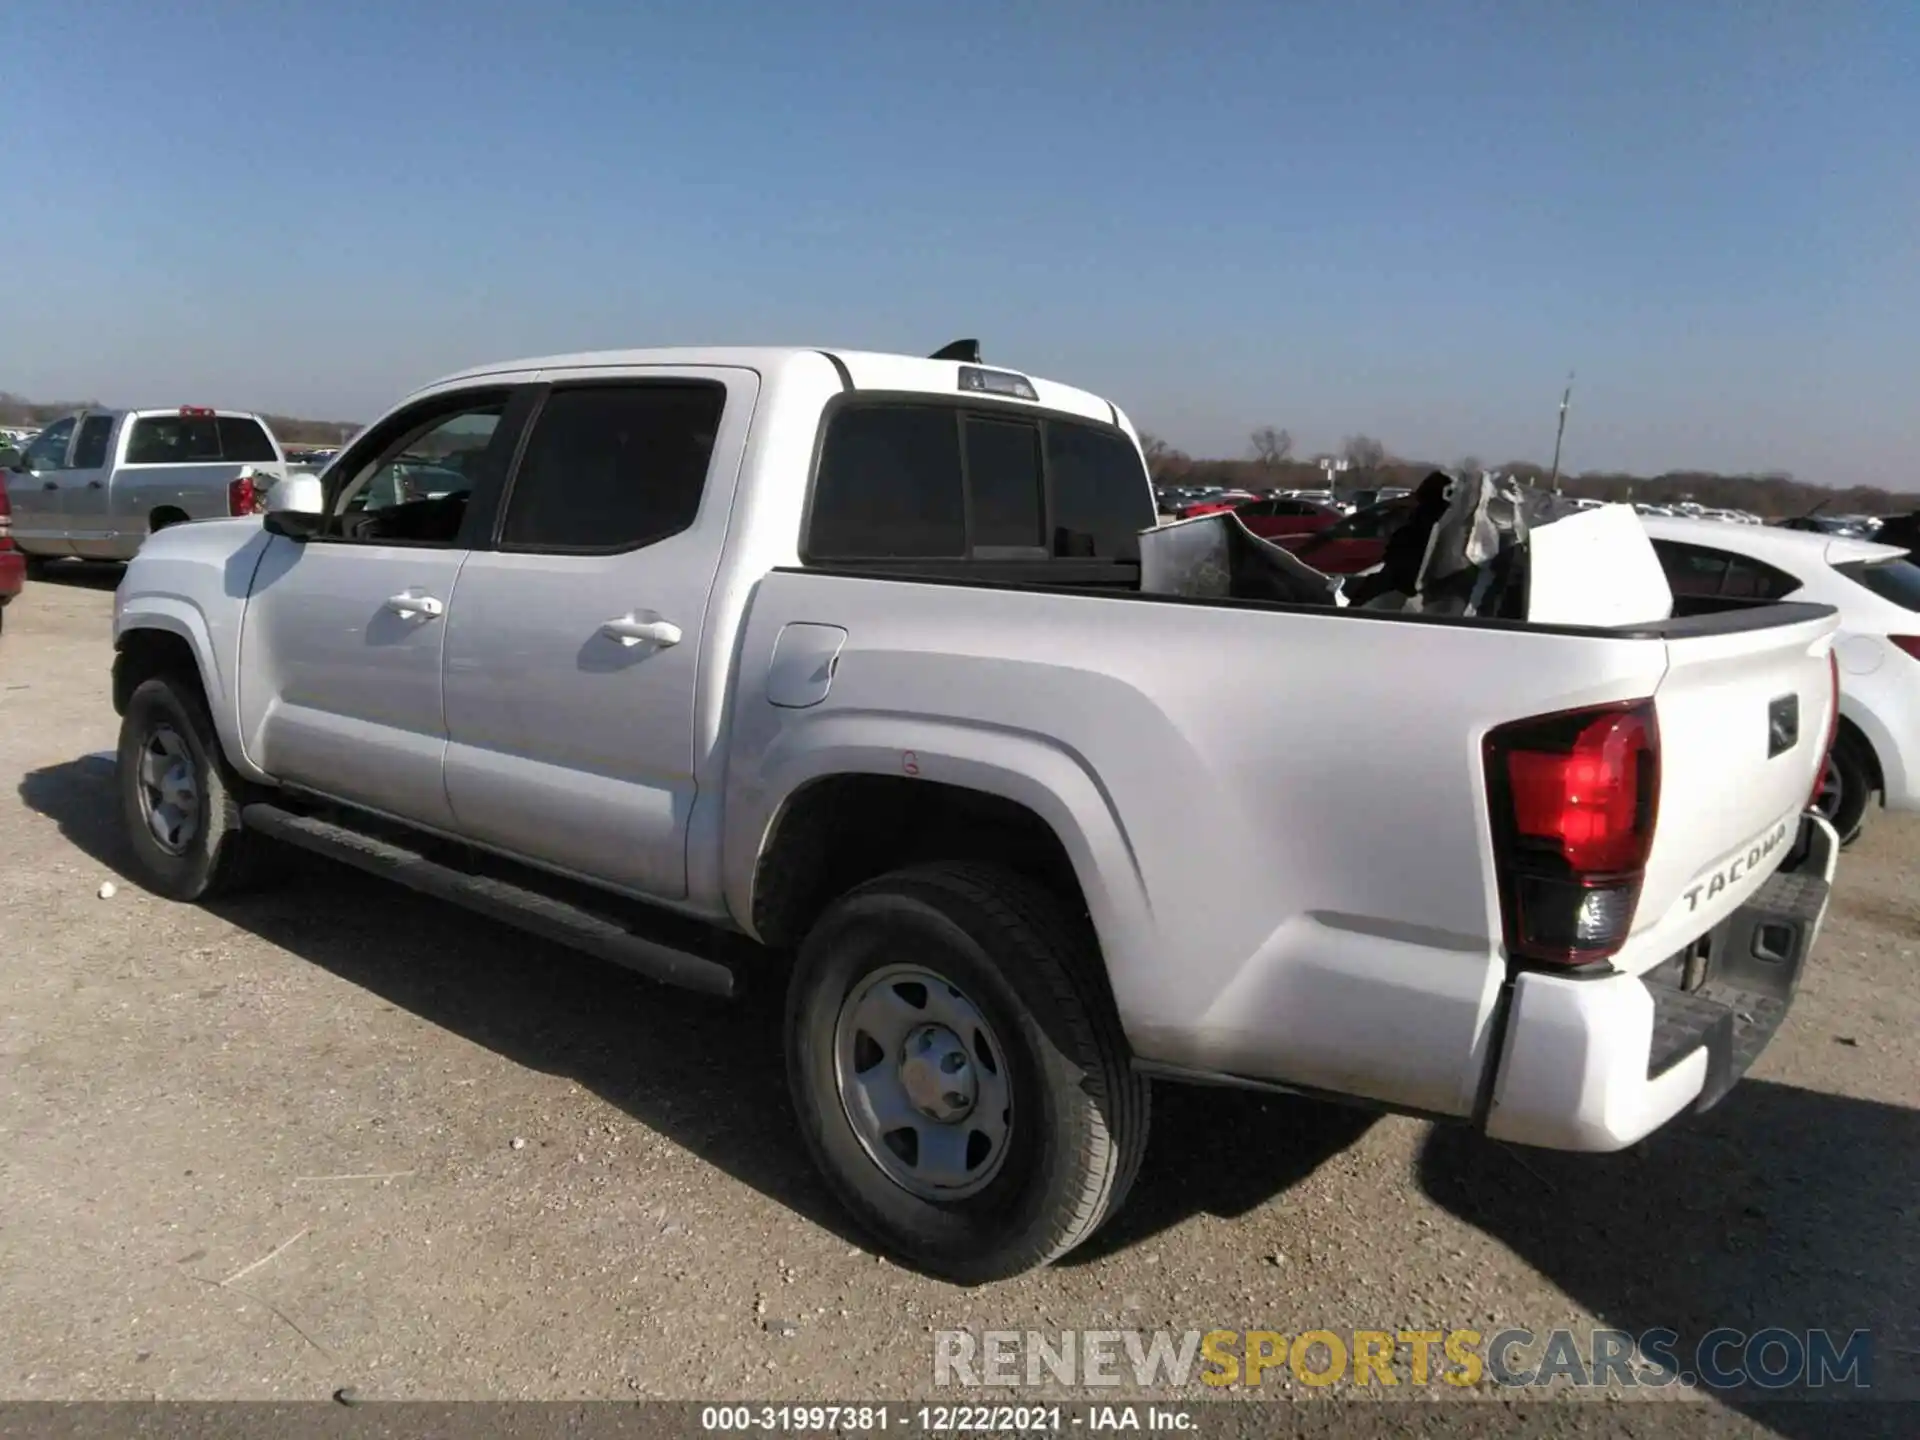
959, 1071
179, 802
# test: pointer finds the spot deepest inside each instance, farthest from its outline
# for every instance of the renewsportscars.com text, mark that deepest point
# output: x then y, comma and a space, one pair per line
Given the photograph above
1724, 1359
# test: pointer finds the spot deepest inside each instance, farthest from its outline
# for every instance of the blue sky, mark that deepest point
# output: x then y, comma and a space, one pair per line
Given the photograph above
1406, 219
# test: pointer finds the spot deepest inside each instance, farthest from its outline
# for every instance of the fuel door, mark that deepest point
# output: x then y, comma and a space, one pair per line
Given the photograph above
804, 659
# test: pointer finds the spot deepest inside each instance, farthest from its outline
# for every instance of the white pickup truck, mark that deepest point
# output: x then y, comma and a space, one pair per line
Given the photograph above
96, 483
836, 668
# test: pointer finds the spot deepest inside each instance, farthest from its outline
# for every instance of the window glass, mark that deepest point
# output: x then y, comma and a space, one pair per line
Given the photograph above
90, 450
1895, 580
244, 440
1003, 477
414, 485
49, 448
1690, 569
174, 440
612, 467
1101, 501
1750, 579
889, 485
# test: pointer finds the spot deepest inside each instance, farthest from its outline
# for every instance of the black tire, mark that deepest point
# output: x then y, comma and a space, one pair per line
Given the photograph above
1851, 777
1032, 970
218, 857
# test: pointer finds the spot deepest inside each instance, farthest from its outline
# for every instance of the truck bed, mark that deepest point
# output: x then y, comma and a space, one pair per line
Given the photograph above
1282, 809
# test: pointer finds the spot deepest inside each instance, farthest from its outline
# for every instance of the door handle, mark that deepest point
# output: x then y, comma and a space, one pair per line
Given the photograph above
630, 631
93, 484
407, 604
50, 485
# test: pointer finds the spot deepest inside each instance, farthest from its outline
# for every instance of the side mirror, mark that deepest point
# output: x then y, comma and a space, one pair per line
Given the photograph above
296, 507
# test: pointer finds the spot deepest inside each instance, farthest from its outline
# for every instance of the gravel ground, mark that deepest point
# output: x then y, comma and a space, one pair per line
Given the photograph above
338, 1135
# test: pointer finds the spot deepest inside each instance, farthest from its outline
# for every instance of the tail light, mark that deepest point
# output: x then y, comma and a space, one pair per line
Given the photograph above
1574, 798
244, 495
1908, 643
1833, 725
6, 518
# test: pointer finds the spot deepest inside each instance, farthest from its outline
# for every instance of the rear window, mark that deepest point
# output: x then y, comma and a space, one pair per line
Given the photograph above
1702, 570
889, 486
1895, 580
245, 440
1003, 478
198, 440
925, 481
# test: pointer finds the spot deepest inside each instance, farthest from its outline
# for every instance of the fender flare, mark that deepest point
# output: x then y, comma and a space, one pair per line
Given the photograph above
173, 615
1033, 771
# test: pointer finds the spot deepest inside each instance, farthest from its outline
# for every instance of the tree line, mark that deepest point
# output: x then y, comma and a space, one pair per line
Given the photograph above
1271, 464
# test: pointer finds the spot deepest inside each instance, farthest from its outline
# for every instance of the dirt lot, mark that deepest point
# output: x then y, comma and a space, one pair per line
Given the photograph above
338, 1135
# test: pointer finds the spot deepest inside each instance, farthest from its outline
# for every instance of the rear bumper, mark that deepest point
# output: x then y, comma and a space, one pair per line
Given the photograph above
1597, 1064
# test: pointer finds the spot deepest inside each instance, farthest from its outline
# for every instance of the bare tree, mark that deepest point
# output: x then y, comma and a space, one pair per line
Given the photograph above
1163, 461
1272, 448
1364, 454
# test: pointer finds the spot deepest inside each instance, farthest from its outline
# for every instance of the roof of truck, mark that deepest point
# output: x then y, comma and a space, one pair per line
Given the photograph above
1769, 542
865, 369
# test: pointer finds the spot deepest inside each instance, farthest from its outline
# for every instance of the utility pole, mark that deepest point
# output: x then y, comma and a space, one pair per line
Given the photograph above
1559, 434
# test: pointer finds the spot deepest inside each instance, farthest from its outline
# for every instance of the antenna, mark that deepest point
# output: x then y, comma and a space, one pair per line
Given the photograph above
967, 352
1565, 398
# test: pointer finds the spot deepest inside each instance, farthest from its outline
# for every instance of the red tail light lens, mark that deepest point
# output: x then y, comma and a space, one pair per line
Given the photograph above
244, 497
1908, 643
1833, 725
1574, 798
6, 518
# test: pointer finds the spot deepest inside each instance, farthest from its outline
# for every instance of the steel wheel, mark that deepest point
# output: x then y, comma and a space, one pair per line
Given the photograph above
923, 1082
169, 790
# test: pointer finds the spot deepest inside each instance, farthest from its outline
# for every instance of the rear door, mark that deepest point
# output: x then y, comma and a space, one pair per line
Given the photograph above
39, 516
574, 644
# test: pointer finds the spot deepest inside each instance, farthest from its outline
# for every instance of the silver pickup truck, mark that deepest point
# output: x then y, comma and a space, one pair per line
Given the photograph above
96, 483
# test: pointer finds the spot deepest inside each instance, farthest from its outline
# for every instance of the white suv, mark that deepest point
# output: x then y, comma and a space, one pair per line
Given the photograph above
1876, 589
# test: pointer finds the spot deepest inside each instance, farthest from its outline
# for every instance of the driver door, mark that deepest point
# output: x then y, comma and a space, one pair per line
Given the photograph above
341, 654
39, 519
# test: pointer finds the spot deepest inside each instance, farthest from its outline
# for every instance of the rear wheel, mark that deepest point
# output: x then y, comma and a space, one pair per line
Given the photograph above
179, 800
1846, 789
959, 1071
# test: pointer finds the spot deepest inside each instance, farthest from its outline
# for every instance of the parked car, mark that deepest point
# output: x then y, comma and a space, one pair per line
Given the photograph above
1214, 502
1274, 518
1876, 590
13, 565
95, 484
1355, 543
838, 670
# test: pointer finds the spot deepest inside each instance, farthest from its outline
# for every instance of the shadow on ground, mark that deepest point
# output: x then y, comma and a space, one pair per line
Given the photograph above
709, 1075
1781, 1207
1199, 1162
80, 574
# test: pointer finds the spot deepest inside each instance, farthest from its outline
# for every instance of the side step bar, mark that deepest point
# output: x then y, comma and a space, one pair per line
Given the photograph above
501, 900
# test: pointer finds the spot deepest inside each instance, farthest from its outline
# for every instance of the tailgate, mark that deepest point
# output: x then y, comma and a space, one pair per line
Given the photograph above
1744, 715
